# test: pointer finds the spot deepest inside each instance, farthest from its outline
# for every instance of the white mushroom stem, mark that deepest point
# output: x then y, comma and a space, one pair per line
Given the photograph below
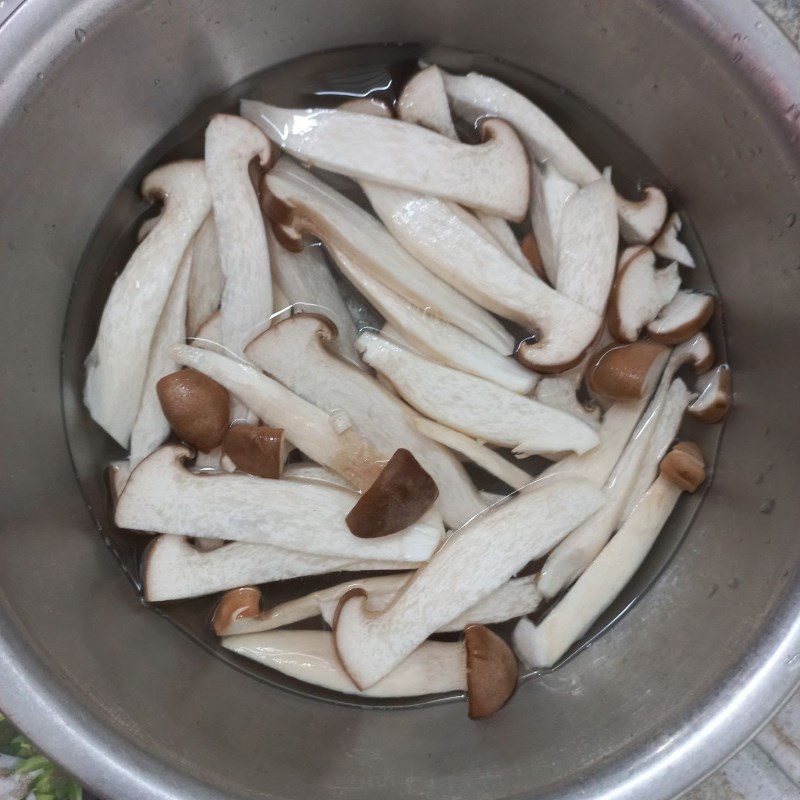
345, 227
460, 574
309, 471
173, 569
493, 176
685, 315
481, 269
640, 221
501, 232
117, 365
474, 406
551, 190
306, 426
559, 391
435, 337
210, 332
668, 246
231, 144
473, 450
310, 656
293, 352
544, 644
206, 281
163, 496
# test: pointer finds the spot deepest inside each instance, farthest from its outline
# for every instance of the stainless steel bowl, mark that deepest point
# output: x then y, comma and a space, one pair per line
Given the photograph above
710, 91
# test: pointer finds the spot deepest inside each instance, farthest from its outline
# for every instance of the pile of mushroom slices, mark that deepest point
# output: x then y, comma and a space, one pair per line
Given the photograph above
270, 438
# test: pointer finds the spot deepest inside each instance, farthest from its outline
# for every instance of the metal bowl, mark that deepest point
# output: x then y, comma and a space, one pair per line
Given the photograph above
710, 92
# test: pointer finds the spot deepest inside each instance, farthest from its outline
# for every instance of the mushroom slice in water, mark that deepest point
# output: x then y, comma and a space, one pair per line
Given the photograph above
117, 365
559, 391
667, 245
626, 372
231, 144
435, 337
423, 101
551, 190
482, 271
309, 471
715, 395
315, 207
640, 292
162, 495
256, 449
493, 176
544, 644
640, 221
173, 569
474, 406
401, 494
293, 353
305, 277
501, 232
206, 281
462, 572
479, 454
210, 332
685, 315
306, 426
367, 105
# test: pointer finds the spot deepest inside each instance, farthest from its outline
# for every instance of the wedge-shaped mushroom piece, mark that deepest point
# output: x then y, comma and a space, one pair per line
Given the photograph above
667, 245
640, 221
162, 495
626, 372
313, 206
231, 144
434, 337
685, 315
715, 398
493, 176
551, 190
640, 292
305, 277
482, 270
173, 569
474, 406
587, 246
461, 573
117, 365
423, 101
308, 427
293, 352
473, 450
475, 95
257, 449
206, 281
544, 644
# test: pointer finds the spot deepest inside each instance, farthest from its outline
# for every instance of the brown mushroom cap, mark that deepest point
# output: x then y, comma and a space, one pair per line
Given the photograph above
236, 604
257, 449
491, 671
684, 466
196, 407
688, 313
530, 249
623, 372
400, 495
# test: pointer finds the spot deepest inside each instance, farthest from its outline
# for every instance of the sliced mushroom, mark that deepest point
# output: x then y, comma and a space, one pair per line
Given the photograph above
640, 292
367, 105
491, 672
293, 352
462, 572
493, 176
628, 371
401, 494
309, 471
480, 269
435, 337
715, 389
305, 277
544, 644
206, 281
501, 232
308, 427
317, 208
685, 315
560, 391
473, 450
163, 496
423, 101
256, 449
210, 332
173, 569
668, 246
530, 250
551, 190
117, 365
640, 221
475, 406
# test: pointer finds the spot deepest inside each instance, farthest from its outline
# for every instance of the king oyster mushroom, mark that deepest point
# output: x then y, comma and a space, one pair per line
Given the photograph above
461, 573
715, 399
492, 176
206, 280
544, 644
475, 406
551, 190
626, 372
294, 353
296, 196
640, 221
668, 246
684, 316
163, 496
116, 368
